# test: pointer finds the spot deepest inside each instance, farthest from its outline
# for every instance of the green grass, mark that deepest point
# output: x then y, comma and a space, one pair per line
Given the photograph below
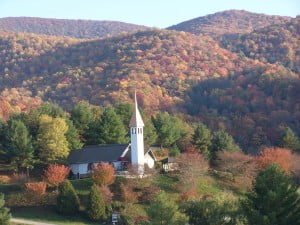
208, 185
166, 182
49, 215
82, 186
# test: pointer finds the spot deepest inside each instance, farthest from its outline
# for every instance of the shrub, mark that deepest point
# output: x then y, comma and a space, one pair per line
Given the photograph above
36, 190
127, 193
148, 194
4, 212
4, 179
67, 199
296, 167
280, 156
56, 174
96, 205
19, 178
103, 174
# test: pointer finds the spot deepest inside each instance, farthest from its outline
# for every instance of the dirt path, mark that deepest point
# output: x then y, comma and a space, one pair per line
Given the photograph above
29, 222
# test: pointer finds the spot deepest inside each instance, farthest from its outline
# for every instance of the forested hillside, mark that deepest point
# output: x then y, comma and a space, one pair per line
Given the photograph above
228, 22
278, 44
172, 71
63, 27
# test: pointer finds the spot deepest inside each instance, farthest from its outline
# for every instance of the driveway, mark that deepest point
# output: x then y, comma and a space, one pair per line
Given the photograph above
29, 222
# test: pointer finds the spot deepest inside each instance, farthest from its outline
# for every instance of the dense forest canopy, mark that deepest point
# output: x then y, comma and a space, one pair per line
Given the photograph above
194, 76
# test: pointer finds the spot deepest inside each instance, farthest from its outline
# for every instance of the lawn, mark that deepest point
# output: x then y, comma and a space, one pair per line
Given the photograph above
49, 215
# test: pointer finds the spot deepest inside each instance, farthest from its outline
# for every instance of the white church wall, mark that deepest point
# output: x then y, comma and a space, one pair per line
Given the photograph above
149, 161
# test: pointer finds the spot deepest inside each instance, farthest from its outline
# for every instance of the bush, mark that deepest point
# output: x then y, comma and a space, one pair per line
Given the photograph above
107, 194
296, 167
19, 178
4, 179
67, 199
96, 205
35, 191
56, 174
4, 212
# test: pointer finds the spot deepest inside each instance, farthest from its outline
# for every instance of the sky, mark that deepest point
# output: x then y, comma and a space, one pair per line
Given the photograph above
153, 13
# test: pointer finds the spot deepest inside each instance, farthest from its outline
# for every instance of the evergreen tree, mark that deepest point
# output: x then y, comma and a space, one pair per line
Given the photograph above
124, 111
82, 116
289, 140
222, 141
72, 136
51, 138
111, 129
164, 211
150, 135
211, 212
4, 212
273, 200
67, 199
169, 129
202, 139
18, 145
96, 205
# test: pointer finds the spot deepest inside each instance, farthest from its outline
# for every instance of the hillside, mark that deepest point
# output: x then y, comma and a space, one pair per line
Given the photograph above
70, 28
228, 22
224, 89
274, 44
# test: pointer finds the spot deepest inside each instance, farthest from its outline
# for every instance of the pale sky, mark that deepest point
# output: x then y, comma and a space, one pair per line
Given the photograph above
154, 13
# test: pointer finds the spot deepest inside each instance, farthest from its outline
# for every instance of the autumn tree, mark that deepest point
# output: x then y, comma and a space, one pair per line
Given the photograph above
191, 167
202, 139
273, 199
56, 174
103, 174
164, 211
51, 138
280, 156
289, 140
18, 145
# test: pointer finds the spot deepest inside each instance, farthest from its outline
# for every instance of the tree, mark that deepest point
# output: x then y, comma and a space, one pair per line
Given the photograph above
211, 212
169, 129
202, 139
103, 174
51, 138
164, 211
67, 199
150, 135
82, 116
273, 199
289, 140
111, 129
191, 167
222, 141
56, 174
280, 156
124, 111
4, 212
19, 145
96, 205
72, 136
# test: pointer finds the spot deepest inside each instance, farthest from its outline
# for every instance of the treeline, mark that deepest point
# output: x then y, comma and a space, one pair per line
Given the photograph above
64, 27
47, 134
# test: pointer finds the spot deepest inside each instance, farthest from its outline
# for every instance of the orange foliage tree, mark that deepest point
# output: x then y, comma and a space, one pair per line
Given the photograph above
280, 156
103, 174
56, 174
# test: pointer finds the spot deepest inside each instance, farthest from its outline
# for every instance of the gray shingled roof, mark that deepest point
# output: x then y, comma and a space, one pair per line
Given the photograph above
97, 153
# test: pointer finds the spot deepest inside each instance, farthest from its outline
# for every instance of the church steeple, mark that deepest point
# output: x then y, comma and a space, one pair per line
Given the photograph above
136, 118
137, 138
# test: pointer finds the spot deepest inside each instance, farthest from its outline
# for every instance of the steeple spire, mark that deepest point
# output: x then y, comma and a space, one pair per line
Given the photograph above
136, 118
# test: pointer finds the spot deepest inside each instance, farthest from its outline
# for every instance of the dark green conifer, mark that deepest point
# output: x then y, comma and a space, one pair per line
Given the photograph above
67, 199
96, 205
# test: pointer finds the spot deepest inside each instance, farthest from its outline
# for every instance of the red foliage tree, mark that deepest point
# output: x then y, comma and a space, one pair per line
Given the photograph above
103, 174
280, 156
55, 174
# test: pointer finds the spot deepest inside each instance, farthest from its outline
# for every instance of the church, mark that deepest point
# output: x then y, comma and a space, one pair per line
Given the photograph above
119, 155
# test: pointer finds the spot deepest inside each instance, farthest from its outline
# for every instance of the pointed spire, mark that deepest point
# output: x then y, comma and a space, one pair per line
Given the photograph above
136, 119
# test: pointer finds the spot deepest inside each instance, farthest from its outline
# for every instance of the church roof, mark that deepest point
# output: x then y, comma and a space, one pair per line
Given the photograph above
136, 118
97, 153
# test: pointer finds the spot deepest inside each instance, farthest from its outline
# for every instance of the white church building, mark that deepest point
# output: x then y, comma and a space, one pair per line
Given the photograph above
119, 155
